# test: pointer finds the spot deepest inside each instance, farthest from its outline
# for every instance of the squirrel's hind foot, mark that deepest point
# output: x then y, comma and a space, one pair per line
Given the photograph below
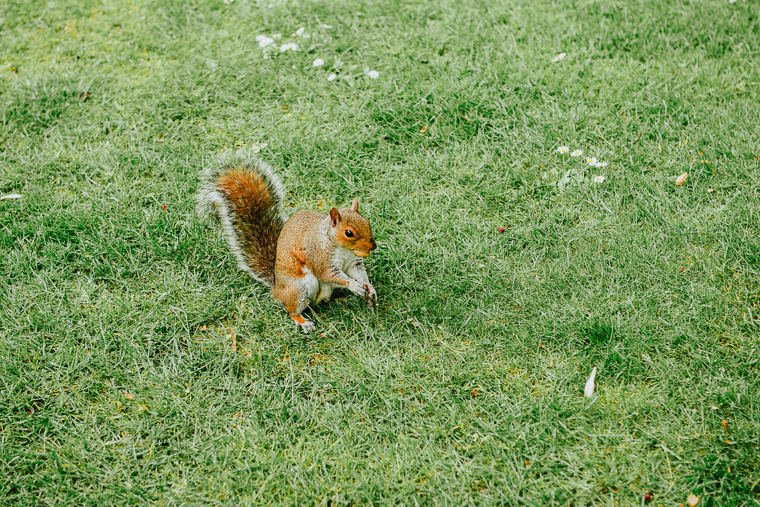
307, 326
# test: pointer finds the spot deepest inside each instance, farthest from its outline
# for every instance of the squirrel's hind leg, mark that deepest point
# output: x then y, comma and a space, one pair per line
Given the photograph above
295, 297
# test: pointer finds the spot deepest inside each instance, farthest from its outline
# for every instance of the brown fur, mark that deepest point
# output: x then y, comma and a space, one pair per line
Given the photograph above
255, 218
309, 240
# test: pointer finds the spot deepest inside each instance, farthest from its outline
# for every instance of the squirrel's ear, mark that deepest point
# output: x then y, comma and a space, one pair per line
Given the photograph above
355, 205
334, 217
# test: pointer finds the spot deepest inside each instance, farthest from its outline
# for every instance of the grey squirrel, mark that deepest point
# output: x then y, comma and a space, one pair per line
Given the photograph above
302, 259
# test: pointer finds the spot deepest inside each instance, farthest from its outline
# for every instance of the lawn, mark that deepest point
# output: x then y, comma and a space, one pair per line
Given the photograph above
120, 383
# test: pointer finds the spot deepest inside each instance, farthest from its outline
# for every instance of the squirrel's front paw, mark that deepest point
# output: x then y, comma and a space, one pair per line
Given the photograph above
358, 288
307, 326
371, 294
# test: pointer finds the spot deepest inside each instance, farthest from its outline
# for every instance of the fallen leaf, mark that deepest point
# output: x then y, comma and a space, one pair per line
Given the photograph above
559, 57
682, 179
693, 500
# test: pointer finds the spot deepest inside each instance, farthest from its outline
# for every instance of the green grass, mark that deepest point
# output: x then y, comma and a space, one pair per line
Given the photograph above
465, 386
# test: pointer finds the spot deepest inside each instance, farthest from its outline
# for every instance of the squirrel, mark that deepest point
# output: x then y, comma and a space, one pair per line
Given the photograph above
301, 259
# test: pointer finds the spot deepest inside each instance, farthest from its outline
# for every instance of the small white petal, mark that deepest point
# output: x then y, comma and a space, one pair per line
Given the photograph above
327, 27
373, 74
260, 37
559, 57
300, 31
318, 62
10, 196
332, 77
589, 389
599, 179
265, 42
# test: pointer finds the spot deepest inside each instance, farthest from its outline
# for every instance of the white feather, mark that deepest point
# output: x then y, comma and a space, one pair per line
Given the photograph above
589, 390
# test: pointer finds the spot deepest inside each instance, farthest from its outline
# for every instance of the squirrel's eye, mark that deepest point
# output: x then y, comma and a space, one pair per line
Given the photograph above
349, 233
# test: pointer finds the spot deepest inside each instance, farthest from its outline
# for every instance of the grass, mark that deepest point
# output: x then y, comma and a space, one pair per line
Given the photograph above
465, 386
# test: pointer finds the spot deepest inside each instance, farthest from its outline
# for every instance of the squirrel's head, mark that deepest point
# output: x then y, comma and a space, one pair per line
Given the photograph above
352, 230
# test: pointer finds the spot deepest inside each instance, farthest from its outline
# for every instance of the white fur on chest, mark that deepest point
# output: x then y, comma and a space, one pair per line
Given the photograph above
343, 259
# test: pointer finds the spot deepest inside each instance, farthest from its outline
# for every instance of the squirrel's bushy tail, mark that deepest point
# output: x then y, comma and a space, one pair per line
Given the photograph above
246, 195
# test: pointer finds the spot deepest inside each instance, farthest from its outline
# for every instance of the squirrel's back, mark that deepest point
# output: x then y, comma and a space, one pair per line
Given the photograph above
246, 195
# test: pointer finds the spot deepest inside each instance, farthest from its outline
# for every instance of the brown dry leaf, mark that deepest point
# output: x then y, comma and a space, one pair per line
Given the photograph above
682, 179
127, 395
234, 341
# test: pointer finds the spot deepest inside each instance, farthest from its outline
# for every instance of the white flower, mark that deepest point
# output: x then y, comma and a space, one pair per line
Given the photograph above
576, 153
591, 161
288, 47
589, 389
600, 164
599, 179
373, 74
277, 36
332, 77
228, 1
559, 57
260, 37
265, 42
563, 149
300, 31
318, 62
